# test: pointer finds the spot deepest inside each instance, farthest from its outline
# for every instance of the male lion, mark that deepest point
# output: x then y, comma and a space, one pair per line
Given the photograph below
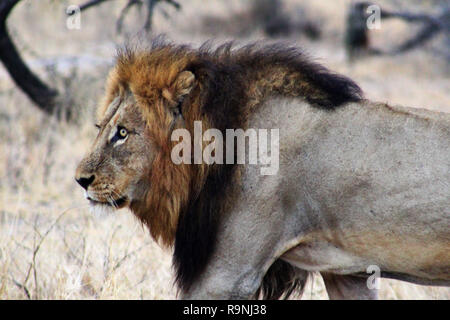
360, 184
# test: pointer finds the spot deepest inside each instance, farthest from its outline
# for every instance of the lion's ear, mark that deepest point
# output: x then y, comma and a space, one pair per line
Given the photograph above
183, 85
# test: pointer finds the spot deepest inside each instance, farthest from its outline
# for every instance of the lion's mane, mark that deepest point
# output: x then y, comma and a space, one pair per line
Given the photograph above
184, 203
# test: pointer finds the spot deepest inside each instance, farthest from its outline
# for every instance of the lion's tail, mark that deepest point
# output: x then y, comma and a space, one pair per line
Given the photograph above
281, 280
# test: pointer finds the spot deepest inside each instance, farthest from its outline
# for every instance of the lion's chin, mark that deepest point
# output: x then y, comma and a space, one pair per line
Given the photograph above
102, 209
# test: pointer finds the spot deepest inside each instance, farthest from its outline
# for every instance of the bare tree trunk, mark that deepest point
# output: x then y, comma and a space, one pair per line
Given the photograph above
150, 8
43, 96
124, 12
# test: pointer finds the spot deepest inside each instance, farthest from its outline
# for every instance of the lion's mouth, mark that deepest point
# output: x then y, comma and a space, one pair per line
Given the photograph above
115, 203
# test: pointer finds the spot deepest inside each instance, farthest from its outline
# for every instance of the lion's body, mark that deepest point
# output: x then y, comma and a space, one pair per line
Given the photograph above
359, 184
364, 185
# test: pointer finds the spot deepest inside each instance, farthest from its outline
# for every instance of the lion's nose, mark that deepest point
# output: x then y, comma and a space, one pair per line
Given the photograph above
85, 182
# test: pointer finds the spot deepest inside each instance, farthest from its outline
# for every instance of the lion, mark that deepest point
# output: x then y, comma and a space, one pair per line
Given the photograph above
362, 191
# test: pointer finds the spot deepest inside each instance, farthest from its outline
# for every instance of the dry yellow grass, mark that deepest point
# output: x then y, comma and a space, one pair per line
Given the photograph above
51, 247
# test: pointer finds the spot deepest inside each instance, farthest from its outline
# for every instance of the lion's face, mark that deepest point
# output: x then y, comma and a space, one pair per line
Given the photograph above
129, 163
116, 168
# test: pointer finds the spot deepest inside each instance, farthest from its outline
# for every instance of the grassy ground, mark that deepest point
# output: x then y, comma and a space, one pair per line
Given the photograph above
51, 247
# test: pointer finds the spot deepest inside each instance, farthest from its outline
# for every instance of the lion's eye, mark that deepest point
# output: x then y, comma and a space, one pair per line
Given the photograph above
122, 132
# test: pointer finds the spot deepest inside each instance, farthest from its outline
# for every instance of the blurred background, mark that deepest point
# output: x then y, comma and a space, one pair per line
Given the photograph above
55, 56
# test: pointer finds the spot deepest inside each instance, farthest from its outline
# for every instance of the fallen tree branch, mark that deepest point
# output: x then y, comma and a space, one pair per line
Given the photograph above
432, 27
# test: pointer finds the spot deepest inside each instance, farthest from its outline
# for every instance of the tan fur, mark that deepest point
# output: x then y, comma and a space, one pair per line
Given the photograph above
332, 207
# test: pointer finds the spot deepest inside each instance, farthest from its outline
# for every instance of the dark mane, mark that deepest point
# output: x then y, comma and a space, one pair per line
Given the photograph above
234, 82
186, 202
281, 69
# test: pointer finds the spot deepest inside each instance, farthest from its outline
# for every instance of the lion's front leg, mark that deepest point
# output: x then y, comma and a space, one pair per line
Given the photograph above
245, 248
234, 271
225, 282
